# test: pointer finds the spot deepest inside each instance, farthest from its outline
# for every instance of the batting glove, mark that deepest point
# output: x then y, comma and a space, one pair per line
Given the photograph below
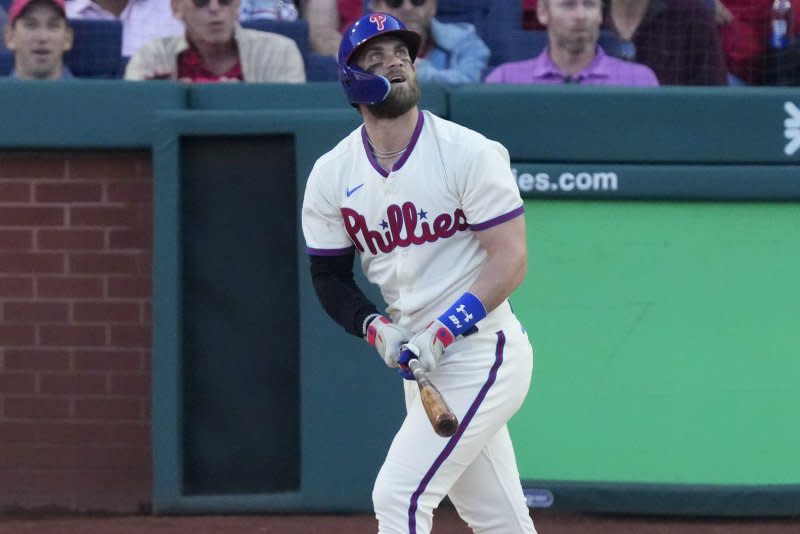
387, 338
427, 346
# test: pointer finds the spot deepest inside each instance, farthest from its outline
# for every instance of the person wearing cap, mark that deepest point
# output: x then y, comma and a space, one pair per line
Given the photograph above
434, 215
215, 48
38, 34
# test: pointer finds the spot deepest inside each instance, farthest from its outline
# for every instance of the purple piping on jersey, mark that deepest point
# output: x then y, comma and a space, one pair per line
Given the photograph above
399, 163
452, 442
328, 251
497, 220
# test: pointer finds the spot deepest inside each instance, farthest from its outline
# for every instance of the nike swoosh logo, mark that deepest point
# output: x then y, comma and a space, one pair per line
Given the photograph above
356, 188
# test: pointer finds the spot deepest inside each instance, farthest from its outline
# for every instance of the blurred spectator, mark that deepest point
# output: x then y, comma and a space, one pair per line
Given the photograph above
216, 48
675, 38
450, 53
327, 19
39, 35
142, 20
744, 28
572, 54
267, 9
3, 20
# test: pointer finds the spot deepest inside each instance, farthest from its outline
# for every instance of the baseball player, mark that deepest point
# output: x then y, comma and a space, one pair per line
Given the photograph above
434, 214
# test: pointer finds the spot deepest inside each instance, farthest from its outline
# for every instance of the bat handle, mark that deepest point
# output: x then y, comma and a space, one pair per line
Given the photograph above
416, 367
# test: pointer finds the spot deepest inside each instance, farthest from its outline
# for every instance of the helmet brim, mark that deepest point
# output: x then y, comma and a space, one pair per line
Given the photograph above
411, 39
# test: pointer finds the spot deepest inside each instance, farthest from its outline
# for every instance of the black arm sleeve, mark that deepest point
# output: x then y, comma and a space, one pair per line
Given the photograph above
338, 293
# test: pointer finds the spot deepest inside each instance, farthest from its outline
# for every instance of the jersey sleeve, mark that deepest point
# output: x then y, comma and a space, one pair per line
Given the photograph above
323, 228
490, 195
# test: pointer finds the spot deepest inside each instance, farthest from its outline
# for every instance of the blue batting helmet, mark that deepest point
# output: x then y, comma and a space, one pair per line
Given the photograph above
360, 86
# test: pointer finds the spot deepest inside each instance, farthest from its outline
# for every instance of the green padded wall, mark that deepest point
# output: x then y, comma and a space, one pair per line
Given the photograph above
292, 96
672, 125
666, 338
83, 113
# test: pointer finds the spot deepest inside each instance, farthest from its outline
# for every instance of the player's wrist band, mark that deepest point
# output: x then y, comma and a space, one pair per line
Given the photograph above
367, 320
463, 314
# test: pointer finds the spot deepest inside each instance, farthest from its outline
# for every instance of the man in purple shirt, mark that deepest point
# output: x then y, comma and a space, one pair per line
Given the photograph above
572, 55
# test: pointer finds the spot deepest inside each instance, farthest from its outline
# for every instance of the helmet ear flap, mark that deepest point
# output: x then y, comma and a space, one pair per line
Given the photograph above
362, 87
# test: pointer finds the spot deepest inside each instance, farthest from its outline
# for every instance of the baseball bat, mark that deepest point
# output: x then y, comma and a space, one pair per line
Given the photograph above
443, 420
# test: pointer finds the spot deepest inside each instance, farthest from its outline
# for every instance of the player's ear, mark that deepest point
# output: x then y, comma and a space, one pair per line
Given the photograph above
8, 37
70, 37
541, 11
177, 9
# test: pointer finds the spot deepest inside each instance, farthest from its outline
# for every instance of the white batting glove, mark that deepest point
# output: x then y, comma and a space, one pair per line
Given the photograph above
428, 345
387, 338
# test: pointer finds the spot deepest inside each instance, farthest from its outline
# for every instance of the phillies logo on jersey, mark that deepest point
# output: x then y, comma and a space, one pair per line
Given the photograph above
403, 226
378, 20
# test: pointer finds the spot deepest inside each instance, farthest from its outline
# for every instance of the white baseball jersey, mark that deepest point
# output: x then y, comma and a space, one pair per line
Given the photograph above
412, 227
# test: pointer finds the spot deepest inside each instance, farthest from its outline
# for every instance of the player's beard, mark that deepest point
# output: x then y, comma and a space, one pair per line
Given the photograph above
401, 99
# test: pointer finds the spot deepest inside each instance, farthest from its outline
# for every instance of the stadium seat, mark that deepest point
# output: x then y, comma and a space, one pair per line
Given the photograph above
6, 62
494, 20
96, 48
321, 68
611, 43
95, 53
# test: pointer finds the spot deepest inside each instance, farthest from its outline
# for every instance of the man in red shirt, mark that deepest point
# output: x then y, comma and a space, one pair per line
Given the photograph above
744, 28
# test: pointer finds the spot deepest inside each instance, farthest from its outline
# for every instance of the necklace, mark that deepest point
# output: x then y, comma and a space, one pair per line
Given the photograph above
385, 155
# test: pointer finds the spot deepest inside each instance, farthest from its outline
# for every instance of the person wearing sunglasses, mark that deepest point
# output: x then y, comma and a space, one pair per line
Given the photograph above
215, 48
573, 54
450, 53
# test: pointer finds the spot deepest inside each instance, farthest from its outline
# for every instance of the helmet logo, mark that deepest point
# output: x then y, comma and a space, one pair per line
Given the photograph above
378, 19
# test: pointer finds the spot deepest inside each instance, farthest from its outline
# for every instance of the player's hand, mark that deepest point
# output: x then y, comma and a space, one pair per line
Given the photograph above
387, 338
427, 346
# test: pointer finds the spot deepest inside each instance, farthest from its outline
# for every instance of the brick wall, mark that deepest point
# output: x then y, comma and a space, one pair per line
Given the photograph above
75, 318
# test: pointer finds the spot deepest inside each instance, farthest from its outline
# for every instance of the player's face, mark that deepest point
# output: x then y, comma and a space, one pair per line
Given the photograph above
208, 22
572, 25
39, 37
389, 57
